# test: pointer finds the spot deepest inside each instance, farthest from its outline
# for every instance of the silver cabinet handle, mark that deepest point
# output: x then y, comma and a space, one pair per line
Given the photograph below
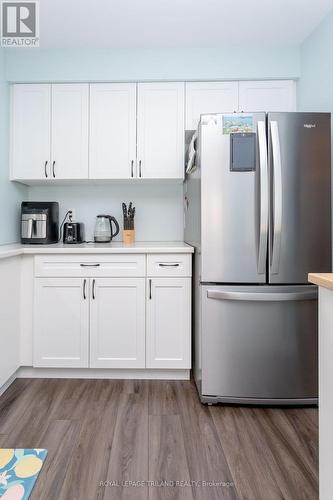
53, 169
132, 168
277, 197
169, 265
94, 289
263, 296
45, 169
264, 200
149, 289
140, 170
89, 265
84, 289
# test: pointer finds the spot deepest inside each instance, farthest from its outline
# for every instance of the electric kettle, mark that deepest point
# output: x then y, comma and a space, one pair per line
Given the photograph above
104, 230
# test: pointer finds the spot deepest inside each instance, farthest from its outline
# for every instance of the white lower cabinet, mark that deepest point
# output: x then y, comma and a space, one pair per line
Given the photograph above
9, 318
117, 323
61, 323
168, 335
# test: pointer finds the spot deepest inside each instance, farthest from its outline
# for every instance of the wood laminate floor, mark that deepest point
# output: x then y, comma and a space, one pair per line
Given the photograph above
103, 435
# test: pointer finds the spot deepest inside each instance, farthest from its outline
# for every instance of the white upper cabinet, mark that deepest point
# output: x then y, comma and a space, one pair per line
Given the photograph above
112, 131
69, 131
270, 95
49, 131
30, 131
122, 130
209, 97
160, 135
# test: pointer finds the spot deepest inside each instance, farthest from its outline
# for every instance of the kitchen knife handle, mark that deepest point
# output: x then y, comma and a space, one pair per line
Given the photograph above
89, 265
53, 169
132, 168
94, 289
140, 170
84, 289
45, 169
149, 289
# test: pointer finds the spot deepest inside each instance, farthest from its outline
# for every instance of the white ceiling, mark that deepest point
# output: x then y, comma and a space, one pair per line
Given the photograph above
178, 23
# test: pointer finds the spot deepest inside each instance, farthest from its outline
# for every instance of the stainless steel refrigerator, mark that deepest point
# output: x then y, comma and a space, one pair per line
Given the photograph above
258, 212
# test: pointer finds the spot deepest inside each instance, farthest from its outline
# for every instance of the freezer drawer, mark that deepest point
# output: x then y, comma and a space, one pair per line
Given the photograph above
259, 343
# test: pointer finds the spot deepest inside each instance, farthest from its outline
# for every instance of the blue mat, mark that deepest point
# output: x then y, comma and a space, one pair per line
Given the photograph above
19, 469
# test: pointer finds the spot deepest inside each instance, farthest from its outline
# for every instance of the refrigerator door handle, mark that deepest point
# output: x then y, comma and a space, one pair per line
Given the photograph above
264, 207
263, 296
277, 197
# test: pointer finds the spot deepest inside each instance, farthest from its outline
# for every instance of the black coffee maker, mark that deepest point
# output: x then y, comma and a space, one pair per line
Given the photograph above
39, 222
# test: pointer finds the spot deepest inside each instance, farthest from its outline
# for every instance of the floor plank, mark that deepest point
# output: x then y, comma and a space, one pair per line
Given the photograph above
101, 433
285, 462
60, 440
296, 435
162, 398
205, 456
3, 438
306, 426
245, 456
36, 412
129, 452
167, 459
14, 402
89, 464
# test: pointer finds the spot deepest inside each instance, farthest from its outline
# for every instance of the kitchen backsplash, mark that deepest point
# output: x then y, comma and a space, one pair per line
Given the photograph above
159, 207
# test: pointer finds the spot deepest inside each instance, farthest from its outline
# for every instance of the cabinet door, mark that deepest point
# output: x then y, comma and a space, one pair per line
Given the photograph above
168, 337
70, 125
61, 322
160, 148
30, 131
112, 131
209, 97
117, 323
270, 95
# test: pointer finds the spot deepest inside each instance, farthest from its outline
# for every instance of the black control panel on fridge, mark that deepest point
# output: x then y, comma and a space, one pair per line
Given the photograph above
243, 152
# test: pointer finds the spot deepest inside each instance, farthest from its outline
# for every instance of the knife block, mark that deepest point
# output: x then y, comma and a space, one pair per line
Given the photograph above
128, 236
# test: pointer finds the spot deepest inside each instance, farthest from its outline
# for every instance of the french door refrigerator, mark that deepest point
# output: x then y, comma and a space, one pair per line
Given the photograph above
257, 211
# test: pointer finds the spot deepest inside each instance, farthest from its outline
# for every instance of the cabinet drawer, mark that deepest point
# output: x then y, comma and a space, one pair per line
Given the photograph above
114, 265
169, 265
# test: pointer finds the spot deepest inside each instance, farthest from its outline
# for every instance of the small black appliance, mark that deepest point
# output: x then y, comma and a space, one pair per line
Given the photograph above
39, 222
73, 233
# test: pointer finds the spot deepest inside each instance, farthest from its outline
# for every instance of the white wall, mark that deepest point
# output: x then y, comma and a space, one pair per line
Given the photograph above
221, 63
315, 87
159, 207
11, 194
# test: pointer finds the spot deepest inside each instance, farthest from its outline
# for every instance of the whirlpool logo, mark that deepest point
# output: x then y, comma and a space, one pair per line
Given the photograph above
309, 125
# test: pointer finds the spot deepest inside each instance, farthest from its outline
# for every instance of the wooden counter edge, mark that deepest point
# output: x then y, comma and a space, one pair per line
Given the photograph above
322, 279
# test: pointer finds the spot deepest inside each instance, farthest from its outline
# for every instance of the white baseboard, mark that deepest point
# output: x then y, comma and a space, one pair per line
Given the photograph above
11, 379
98, 373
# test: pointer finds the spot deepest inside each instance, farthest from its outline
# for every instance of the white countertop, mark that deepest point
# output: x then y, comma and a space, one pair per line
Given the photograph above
96, 248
